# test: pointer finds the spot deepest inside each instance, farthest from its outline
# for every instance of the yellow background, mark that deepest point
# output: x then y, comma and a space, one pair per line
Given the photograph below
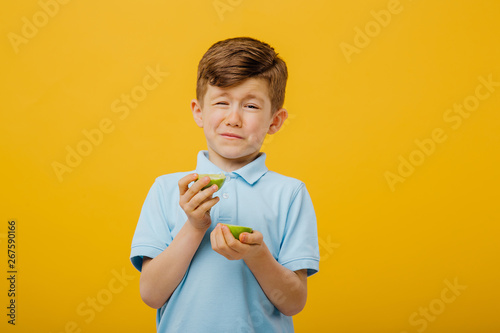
386, 251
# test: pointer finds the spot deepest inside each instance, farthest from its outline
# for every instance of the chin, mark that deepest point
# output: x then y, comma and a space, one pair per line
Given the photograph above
233, 156
233, 153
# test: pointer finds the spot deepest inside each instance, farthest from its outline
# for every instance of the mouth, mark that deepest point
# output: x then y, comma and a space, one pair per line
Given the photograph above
230, 136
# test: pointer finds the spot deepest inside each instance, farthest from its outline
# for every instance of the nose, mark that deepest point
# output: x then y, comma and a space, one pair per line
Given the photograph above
233, 118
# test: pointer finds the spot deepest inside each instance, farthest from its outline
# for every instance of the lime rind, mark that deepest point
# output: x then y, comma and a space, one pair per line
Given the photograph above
236, 230
217, 179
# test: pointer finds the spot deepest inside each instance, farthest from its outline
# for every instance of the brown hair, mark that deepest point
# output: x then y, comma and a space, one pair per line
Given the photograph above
231, 61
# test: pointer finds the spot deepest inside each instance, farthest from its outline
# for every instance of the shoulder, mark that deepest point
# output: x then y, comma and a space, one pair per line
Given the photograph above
275, 179
283, 187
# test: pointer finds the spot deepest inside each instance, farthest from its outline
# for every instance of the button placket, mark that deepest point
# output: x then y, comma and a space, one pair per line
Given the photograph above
229, 177
227, 206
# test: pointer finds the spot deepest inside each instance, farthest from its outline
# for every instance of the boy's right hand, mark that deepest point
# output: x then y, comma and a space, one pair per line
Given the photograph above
196, 203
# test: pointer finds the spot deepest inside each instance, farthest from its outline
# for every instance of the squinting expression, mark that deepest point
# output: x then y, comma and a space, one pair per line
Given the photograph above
235, 121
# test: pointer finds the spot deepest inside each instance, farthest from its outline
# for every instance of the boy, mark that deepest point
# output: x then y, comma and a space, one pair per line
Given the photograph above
198, 276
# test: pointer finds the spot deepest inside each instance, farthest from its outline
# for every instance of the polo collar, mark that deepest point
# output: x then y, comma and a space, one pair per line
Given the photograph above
251, 172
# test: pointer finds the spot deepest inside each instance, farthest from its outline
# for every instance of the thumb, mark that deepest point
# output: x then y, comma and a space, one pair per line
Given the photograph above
254, 238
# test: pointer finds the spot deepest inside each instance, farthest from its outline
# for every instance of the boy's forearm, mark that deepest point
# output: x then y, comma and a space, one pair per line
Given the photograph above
286, 289
162, 275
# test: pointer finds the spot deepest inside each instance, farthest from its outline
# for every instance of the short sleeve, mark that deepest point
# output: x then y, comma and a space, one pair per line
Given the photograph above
152, 234
299, 247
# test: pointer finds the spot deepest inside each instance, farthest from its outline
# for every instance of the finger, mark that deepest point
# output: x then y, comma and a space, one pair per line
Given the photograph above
218, 237
201, 199
218, 243
184, 182
202, 211
206, 205
221, 246
213, 240
254, 238
197, 186
229, 239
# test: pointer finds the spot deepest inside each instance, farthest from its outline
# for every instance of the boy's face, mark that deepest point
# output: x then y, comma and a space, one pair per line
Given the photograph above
236, 120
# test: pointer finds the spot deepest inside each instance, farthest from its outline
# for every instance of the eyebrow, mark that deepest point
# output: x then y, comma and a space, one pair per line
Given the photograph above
249, 96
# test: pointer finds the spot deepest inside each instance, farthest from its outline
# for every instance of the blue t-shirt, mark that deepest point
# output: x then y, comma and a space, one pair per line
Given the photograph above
217, 294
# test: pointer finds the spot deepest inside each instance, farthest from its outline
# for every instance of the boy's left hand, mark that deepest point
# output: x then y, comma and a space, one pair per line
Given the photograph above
224, 243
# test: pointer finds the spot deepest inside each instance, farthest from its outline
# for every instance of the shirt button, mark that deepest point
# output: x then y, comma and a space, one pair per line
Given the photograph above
225, 195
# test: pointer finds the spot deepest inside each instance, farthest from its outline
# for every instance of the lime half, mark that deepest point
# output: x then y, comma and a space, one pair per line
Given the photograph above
217, 179
236, 230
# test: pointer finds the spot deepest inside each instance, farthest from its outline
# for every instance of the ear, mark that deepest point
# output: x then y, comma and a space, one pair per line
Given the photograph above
197, 112
277, 121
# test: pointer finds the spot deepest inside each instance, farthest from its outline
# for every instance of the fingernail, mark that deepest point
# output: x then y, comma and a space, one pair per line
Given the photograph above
214, 187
